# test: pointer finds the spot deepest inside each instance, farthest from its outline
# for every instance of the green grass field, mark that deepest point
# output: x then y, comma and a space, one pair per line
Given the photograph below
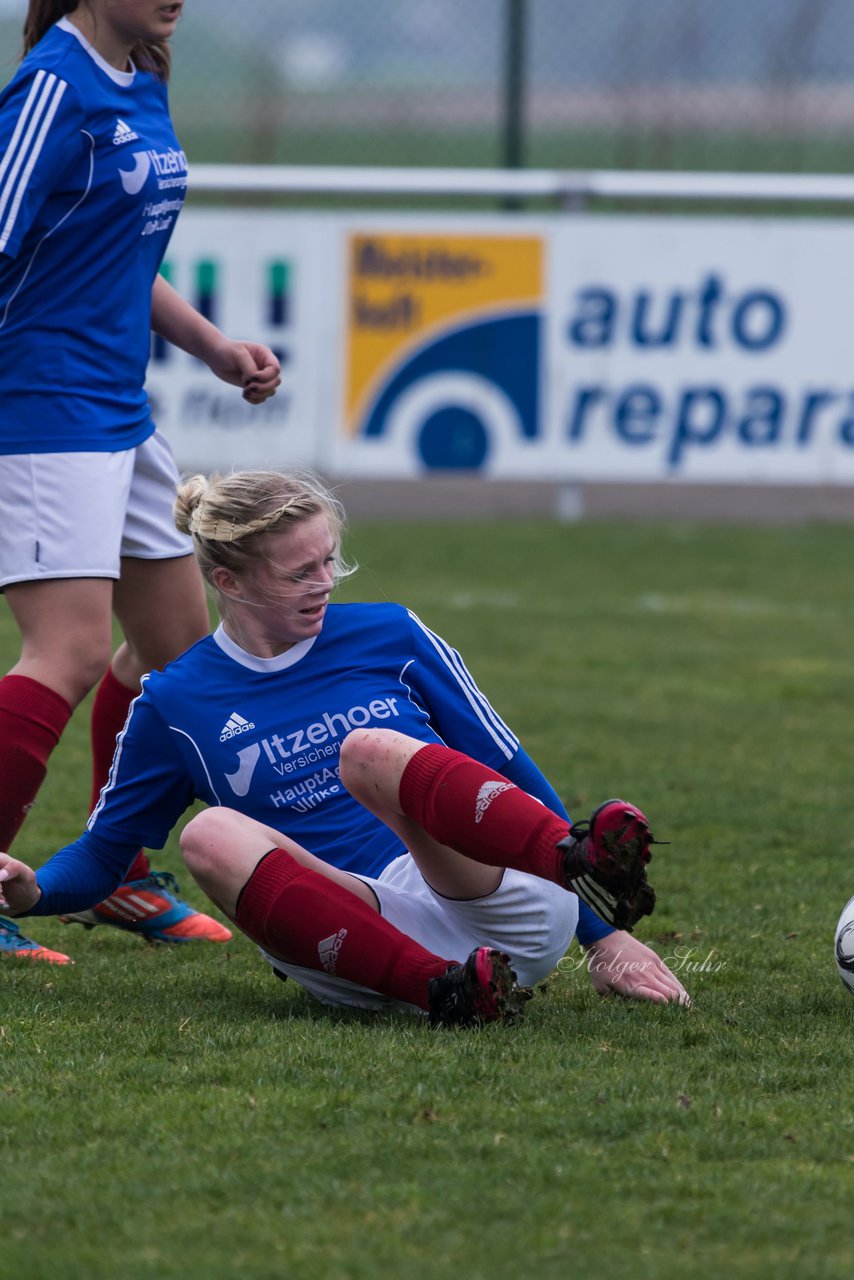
176, 1112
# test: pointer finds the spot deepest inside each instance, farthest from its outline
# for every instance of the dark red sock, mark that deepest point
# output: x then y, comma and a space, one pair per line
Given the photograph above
309, 920
479, 813
109, 712
32, 718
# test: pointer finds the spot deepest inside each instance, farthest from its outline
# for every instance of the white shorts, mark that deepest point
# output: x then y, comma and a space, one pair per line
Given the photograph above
74, 515
533, 920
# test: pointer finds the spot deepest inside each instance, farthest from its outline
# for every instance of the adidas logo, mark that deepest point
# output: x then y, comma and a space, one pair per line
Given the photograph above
328, 949
124, 133
234, 725
486, 795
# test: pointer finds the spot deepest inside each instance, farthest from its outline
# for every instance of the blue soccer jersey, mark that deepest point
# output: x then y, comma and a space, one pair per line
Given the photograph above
263, 736
92, 178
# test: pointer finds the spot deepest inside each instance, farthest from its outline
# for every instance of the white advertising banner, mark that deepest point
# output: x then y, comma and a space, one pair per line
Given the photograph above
704, 349
255, 275
601, 348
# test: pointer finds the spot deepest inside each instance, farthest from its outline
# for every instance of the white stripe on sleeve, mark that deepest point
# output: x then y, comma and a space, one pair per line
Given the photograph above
488, 716
26, 145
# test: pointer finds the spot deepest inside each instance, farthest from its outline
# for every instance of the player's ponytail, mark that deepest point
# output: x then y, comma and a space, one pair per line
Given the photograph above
151, 55
41, 15
188, 496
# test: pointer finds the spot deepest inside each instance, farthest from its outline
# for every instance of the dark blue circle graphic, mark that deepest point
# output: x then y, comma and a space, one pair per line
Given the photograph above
453, 439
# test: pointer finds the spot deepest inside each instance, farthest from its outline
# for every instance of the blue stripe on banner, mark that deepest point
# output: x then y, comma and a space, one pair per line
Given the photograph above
488, 716
26, 146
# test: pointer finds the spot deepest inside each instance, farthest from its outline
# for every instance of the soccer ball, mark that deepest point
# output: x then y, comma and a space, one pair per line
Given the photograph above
844, 945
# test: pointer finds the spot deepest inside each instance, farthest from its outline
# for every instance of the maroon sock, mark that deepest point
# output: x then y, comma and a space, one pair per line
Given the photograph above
311, 921
109, 712
32, 718
479, 813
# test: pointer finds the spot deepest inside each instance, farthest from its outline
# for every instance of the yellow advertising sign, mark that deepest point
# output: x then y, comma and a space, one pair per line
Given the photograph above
404, 291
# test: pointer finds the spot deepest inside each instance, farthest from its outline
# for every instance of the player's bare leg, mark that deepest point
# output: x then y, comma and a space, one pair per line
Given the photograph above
66, 632
309, 914
222, 848
372, 765
162, 609
465, 805
65, 628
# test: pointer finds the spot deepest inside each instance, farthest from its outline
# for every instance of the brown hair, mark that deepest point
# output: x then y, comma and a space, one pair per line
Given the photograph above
148, 55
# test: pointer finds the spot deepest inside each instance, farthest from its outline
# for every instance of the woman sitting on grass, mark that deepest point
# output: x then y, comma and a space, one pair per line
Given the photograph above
374, 825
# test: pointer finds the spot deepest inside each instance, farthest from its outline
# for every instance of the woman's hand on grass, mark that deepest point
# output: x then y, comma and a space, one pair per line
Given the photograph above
19, 890
619, 964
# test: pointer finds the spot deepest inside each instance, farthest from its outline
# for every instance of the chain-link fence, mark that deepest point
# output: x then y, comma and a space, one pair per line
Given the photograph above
741, 84
717, 84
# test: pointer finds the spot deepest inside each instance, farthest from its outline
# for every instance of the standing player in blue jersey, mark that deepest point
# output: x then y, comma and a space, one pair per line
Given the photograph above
373, 823
92, 178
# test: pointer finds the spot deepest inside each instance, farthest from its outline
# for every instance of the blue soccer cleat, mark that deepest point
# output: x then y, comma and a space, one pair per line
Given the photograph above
14, 943
149, 908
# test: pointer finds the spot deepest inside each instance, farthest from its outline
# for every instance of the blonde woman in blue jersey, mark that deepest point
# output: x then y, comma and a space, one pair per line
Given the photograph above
372, 822
86, 482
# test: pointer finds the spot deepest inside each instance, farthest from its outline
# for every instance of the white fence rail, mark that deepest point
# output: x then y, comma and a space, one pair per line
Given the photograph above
569, 188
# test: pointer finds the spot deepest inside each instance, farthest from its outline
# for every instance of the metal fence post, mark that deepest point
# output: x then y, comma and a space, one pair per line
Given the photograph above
515, 31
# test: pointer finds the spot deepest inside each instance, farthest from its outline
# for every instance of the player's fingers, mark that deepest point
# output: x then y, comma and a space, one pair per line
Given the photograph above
670, 982
670, 985
652, 994
265, 362
266, 380
6, 873
655, 995
243, 363
269, 368
256, 395
257, 392
674, 992
661, 988
263, 383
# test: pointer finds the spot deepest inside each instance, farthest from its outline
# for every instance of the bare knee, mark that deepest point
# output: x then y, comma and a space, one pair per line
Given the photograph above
206, 840
72, 670
372, 764
87, 671
362, 754
222, 848
66, 632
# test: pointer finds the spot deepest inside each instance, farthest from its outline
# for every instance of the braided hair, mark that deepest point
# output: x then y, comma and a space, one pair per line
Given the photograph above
228, 516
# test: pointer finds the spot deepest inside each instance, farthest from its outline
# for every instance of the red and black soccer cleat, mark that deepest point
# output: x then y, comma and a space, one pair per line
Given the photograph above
605, 860
481, 989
